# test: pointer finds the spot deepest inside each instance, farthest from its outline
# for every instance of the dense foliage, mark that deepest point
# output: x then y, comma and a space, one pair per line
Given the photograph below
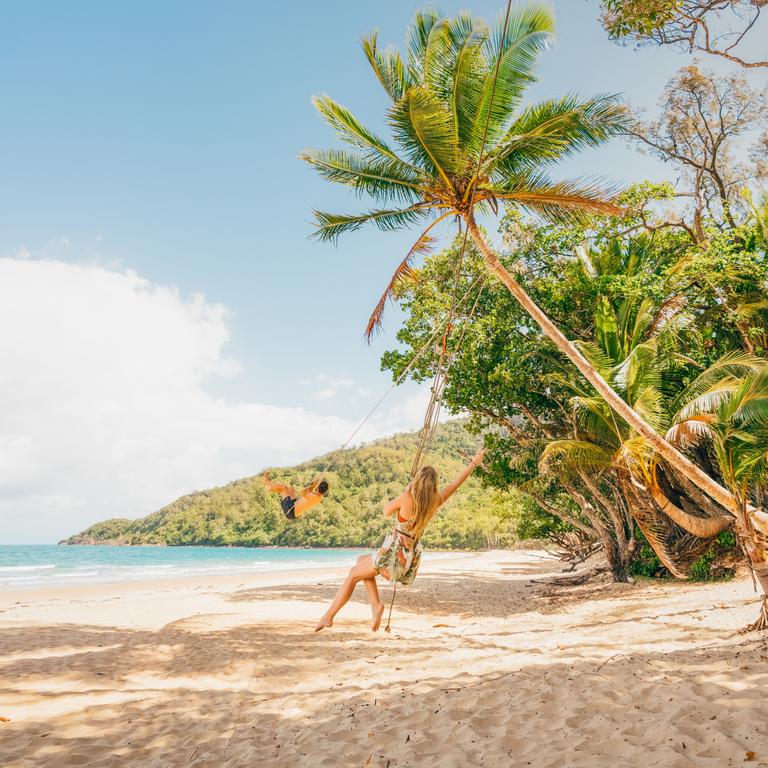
672, 322
244, 514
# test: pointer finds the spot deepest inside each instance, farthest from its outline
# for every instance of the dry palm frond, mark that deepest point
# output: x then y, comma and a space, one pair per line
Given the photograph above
692, 431
669, 309
673, 545
421, 247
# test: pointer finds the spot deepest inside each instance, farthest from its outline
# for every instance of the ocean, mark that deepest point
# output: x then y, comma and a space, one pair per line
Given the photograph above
39, 565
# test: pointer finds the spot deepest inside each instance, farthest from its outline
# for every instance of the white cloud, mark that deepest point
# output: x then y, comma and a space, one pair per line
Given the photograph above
323, 387
103, 405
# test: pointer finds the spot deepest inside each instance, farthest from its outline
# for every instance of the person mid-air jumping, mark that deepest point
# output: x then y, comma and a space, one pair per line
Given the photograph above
296, 504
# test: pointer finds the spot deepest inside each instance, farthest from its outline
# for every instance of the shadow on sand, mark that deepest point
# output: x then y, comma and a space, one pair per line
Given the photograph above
273, 693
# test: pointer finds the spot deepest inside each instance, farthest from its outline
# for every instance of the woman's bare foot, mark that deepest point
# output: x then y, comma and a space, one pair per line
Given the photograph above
265, 478
323, 624
377, 611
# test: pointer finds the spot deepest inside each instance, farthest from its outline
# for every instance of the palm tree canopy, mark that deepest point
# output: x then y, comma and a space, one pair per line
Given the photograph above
461, 137
628, 350
727, 406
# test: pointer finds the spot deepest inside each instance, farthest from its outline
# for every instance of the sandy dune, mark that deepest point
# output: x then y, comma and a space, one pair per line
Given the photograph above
484, 666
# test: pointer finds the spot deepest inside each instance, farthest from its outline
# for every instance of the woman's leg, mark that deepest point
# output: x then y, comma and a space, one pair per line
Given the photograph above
363, 570
283, 490
377, 607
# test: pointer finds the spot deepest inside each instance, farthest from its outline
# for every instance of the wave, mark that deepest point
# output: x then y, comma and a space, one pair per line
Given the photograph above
26, 567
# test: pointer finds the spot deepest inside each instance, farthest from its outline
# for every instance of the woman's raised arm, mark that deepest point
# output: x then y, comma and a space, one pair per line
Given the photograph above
392, 506
451, 488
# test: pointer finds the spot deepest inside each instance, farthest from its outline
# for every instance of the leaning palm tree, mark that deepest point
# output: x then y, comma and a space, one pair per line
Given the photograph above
462, 143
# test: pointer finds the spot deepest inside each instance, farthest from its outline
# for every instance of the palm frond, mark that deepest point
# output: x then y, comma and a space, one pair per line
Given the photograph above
639, 371
513, 53
596, 354
731, 366
421, 247
417, 38
562, 201
650, 405
351, 130
690, 432
422, 125
750, 309
710, 400
554, 129
382, 179
751, 400
634, 320
669, 309
575, 454
607, 330
388, 67
329, 226
595, 420
454, 68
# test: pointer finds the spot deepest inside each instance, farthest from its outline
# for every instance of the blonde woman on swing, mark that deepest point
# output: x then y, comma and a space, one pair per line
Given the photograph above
399, 556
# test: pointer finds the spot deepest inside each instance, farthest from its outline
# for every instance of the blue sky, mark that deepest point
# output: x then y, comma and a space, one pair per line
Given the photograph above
165, 136
162, 138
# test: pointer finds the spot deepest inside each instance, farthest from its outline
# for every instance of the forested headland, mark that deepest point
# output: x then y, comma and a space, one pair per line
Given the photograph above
243, 513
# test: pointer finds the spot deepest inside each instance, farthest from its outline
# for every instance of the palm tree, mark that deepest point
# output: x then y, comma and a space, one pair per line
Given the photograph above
463, 143
726, 407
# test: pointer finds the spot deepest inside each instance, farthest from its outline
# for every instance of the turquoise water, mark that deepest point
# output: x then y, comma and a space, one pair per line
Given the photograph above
28, 566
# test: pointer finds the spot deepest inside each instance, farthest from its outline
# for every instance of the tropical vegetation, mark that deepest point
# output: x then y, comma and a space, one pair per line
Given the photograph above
658, 304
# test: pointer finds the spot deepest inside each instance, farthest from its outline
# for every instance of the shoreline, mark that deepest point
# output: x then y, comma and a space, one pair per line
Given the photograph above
180, 572
279, 576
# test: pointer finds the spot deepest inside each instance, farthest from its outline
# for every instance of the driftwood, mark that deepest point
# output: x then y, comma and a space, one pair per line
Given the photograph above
574, 547
575, 579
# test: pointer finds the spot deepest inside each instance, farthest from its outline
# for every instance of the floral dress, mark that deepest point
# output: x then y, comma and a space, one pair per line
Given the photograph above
399, 556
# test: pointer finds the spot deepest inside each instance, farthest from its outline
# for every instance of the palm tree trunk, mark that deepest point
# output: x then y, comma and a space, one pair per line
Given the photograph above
618, 559
701, 527
761, 574
670, 454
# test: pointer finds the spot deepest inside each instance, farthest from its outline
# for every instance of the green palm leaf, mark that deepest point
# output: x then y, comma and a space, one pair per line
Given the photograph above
607, 330
418, 37
388, 67
514, 54
454, 69
329, 226
556, 128
575, 455
423, 127
384, 180
751, 400
728, 368
351, 130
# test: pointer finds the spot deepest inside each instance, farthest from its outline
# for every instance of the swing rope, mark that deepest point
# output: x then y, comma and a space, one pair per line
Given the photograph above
415, 359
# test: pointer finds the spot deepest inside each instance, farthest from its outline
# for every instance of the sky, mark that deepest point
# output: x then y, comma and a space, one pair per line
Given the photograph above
168, 325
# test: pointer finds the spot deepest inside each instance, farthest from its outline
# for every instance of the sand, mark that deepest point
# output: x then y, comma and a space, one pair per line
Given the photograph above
486, 664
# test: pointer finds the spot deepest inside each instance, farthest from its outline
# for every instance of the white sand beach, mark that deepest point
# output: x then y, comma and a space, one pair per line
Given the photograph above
486, 664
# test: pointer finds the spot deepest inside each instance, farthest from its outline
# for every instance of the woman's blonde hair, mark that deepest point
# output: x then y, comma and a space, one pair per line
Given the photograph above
426, 499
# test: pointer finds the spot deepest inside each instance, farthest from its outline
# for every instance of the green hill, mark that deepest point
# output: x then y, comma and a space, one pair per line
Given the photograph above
242, 513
